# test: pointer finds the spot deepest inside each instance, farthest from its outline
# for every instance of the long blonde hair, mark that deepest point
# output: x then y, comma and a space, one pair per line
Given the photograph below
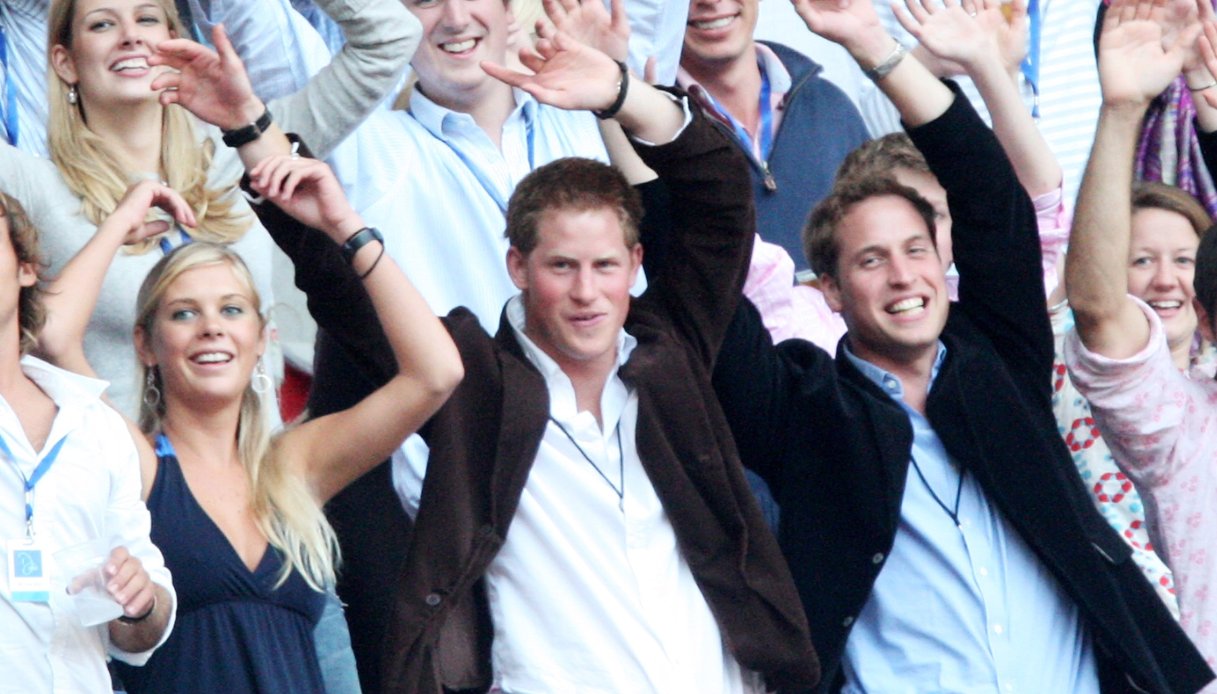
96, 175
283, 508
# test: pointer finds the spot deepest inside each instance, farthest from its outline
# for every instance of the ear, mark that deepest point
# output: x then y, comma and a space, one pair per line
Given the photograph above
63, 64
831, 291
27, 276
1204, 321
143, 350
517, 267
635, 262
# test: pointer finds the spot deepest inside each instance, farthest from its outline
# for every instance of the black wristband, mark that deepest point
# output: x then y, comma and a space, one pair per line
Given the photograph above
360, 239
623, 88
143, 617
249, 133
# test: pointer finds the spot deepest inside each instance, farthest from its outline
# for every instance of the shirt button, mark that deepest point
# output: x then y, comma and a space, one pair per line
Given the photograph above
847, 621
433, 599
1007, 687
998, 629
983, 572
877, 559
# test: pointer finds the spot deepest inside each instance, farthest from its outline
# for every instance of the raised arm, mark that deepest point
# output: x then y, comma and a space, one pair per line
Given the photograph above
979, 38
914, 90
72, 295
213, 85
1136, 62
333, 451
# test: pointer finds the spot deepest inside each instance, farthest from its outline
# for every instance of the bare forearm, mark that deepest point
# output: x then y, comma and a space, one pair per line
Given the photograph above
1096, 268
916, 93
71, 297
1029, 153
649, 114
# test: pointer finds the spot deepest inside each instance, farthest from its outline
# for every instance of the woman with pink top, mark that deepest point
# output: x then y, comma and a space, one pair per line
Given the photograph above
1134, 324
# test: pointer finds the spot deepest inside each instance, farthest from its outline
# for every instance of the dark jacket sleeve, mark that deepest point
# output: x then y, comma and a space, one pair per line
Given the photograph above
337, 300
712, 223
996, 242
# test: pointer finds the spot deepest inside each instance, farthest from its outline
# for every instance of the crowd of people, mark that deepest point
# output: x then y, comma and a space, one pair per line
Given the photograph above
637, 359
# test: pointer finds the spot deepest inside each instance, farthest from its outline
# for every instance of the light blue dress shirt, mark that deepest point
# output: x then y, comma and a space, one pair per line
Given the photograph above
23, 77
965, 608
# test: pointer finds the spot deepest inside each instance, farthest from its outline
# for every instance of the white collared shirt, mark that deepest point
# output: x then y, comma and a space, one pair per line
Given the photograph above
92, 490
590, 592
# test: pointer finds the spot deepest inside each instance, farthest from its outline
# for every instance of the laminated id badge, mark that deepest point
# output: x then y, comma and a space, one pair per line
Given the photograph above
28, 579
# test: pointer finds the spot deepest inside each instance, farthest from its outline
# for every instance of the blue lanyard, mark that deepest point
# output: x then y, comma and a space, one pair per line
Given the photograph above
484, 178
10, 92
167, 246
1031, 64
31, 481
766, 127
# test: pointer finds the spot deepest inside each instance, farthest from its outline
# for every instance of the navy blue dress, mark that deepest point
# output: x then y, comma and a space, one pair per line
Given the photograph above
235, 631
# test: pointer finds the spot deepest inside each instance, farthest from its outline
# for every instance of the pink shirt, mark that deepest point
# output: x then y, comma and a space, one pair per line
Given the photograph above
1162, 428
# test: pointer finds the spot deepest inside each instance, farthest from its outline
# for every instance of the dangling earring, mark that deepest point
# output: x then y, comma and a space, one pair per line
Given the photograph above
73, 97
152, 394
261, 382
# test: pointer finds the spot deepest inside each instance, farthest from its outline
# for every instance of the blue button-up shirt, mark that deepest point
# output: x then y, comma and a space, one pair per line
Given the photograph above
960, 608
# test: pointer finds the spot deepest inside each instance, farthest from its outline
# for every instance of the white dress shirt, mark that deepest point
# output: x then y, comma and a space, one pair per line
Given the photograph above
92, 490
590, 592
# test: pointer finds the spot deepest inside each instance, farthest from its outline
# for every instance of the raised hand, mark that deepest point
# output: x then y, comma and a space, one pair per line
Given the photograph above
965, 34
130, 216
210, 84
1138, 58
567, 74
589, 23
307, 190
851, 23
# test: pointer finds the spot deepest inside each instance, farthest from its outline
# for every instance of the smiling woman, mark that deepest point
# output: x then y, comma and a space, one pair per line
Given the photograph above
117, 117
236, 512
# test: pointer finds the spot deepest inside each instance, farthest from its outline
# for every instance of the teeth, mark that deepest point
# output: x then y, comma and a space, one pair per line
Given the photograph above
458, 46
906, 305
131, 64
1165, 304
713, 23
212, 358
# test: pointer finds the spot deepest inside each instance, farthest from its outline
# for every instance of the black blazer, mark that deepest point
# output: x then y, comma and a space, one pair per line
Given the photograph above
835, 449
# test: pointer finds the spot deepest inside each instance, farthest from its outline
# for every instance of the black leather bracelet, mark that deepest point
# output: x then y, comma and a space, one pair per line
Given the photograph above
360, 239
143, 617
249, 133
623, 88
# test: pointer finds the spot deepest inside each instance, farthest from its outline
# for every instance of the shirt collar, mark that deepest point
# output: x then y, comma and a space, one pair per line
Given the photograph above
441, 122
64, 387
544, 363
770, 64
887, 381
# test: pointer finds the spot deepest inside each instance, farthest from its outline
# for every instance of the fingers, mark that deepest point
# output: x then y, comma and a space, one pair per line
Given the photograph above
620, 21
910, 25
512, 77
172, 202
219, 39
650, 70
178, 52
128, 583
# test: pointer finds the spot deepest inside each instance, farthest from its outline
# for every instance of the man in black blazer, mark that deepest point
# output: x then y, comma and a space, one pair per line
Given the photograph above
939, 536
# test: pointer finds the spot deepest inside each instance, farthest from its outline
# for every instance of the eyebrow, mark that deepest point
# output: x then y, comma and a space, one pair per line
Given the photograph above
111, 10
